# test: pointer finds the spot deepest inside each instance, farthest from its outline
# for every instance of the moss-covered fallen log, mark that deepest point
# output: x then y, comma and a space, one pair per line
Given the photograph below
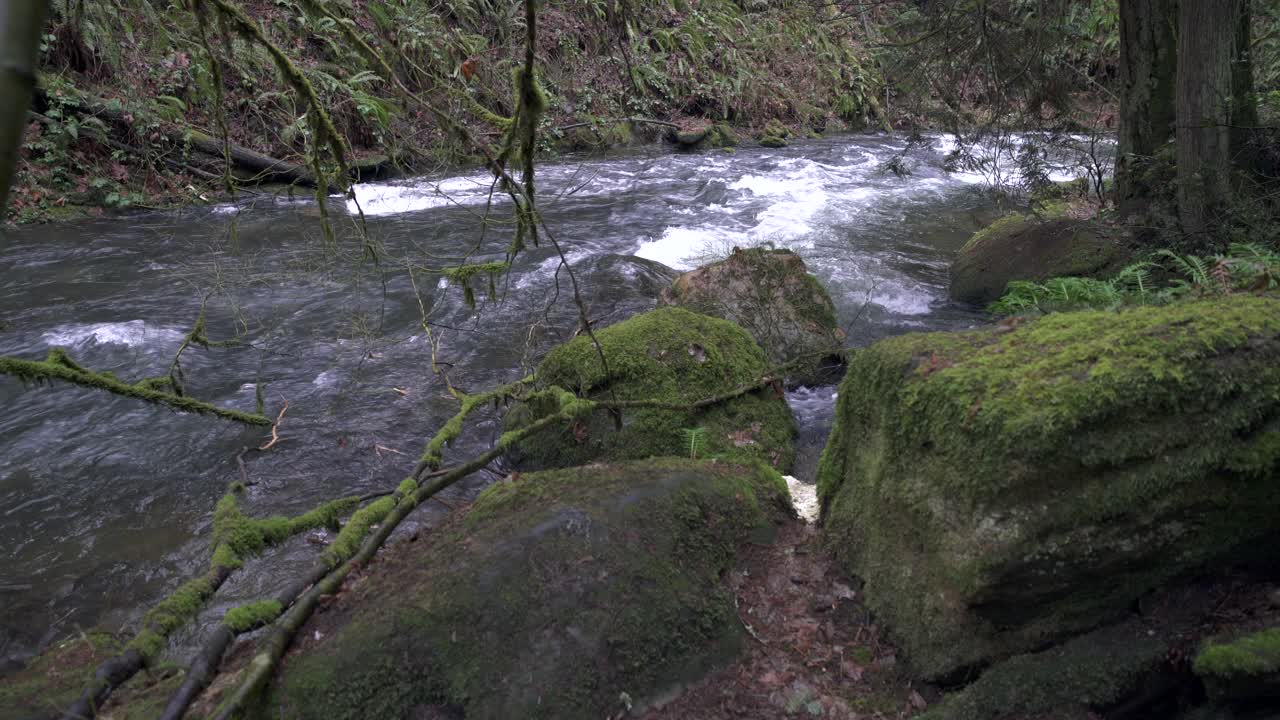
235, 538
411, 495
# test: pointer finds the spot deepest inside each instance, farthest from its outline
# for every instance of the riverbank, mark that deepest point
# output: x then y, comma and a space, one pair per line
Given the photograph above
136, 121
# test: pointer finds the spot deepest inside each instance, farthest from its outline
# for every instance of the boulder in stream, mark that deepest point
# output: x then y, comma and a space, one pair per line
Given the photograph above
668, 355
771, 294
1032, 246
1003, 488
719, 135
564, 594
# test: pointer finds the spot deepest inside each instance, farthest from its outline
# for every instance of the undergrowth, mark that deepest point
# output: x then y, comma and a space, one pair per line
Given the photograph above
1167, 277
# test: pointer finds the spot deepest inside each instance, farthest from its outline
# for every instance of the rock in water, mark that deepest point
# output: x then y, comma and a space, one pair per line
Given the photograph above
998, 491
771, 294
1031, 247
555, 596
671, 356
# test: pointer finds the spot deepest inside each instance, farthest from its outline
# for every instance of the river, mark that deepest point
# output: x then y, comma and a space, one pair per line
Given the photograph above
106, 503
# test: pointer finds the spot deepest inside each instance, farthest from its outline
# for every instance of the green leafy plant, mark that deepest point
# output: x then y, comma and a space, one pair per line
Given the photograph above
1244, 267
695, 440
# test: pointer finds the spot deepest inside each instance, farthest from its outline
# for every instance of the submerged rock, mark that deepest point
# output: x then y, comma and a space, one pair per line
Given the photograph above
567, 594
667, 355
1031, 247
1002, 488
771, 294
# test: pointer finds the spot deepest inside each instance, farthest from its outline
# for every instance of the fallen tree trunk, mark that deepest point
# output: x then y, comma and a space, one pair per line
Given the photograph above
264, 167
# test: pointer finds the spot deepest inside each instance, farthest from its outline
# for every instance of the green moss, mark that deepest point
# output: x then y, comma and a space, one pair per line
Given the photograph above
552, 595
236, 536
247, 617
1003, 486
434, 452
347, 543
1255, 654
462, 275
177, 609
1047, 243
1096, 670
59, 366
668, 355
50, 682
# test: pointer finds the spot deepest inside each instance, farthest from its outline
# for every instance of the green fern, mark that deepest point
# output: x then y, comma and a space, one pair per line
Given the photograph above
695, 440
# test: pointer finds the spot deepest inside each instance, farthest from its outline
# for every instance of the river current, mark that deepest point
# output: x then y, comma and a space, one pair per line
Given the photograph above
106, 503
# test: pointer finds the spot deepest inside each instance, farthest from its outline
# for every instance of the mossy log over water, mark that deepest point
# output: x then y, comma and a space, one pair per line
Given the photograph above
554, 595
1004, 487
668, 355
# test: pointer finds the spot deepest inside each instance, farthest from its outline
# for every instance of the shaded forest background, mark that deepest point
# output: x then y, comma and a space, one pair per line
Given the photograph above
131, 90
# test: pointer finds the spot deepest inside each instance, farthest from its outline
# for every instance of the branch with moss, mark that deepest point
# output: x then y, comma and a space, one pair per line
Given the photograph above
410, 496
461, 276
161, 391
432, 455
235, 538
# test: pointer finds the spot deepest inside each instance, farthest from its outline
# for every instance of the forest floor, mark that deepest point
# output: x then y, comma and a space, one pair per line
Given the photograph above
813, 649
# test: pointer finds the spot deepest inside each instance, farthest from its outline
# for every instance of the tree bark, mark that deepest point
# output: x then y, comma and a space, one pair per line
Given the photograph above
1207, 34
1244, 106
20, 24
1148, 63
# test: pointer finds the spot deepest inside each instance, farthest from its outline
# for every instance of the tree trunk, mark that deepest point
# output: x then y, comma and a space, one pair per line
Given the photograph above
1207, 36
1148, 63
20, 24
1244, 105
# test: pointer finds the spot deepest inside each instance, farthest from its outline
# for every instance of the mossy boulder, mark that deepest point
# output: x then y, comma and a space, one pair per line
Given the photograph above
668, 355
1001, 488
775, 134
1032, 246
564, 594
1244, 668
598, 135
719, 135
771, 294
1069, 681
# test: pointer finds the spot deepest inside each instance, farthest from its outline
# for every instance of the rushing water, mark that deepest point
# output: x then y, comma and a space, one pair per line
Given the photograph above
106, 503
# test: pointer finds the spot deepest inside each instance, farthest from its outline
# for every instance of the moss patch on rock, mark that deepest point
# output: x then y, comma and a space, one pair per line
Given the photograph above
552, 597
1243, 668
775, 134
1032, 246
668, 355
1094, 670
1003, 487
771, 294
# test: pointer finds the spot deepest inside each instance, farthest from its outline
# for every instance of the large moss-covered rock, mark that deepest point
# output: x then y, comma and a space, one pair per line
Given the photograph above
564, 594
1003, 487
1032, 246
771, 294
667, 355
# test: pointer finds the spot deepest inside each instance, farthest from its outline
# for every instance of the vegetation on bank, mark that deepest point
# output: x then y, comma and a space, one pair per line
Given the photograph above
1166, 278
127, 85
